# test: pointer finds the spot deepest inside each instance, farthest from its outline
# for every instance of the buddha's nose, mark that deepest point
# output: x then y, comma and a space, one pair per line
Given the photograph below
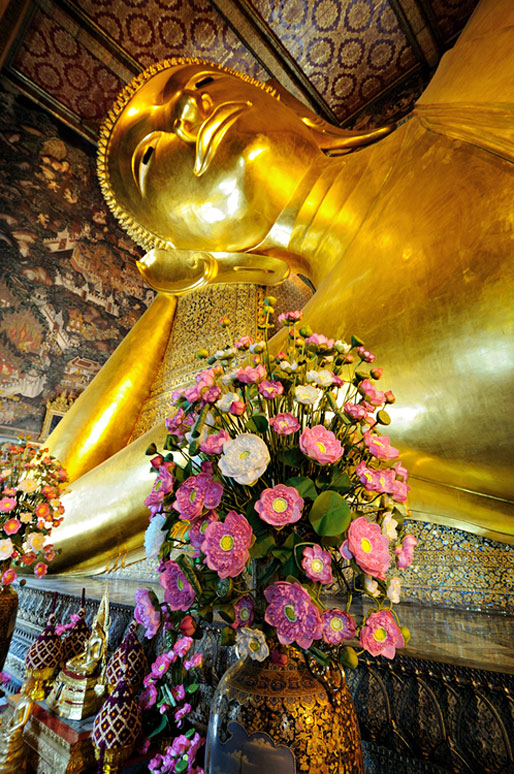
192, 110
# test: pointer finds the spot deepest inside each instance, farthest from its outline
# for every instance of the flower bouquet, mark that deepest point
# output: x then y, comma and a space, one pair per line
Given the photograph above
31, 483
285, 499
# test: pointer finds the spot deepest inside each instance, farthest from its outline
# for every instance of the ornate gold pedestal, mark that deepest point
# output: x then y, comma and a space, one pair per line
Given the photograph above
74, 696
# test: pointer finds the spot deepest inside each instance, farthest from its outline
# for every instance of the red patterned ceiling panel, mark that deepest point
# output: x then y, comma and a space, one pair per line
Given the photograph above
350, 49
452, 15
151, 30
56, 62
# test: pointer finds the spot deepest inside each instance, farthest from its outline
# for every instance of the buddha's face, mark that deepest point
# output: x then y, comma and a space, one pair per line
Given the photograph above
204, 160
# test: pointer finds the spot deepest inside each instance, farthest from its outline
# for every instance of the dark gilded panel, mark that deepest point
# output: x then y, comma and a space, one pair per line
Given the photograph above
59, 64
350, 50
452, 15
151, 30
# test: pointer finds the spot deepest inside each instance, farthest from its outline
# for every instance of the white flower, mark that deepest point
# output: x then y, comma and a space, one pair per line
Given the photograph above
323, 378
225, 402
36, 541
6, 549
154, 536
244, 459
342, 346
371, 586
288, 367
389, 527
228, 378
393, 590
225, 354
251, 642
28, 485
257, 346
306, 394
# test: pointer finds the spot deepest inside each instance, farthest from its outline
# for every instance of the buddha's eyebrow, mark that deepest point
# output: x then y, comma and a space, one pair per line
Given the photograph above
204, 82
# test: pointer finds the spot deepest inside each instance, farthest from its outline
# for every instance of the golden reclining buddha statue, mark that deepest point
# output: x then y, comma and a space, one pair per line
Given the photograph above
407, 237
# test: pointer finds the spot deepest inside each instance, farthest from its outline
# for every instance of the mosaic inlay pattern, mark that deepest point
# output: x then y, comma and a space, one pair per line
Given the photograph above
458, 569
159, 29
451, 15
350, 50
52, 58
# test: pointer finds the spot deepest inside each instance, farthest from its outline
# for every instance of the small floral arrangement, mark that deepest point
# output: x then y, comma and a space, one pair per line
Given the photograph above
31, 483
285, 499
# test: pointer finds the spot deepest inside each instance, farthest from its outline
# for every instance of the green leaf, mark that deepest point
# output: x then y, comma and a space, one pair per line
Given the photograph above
152, 449
330, 513
290, 568
169, 443
356, 342
186, 567
304, 486
262, 547
257, 424
192, 688
162, 725
259, 526
227, 613
194, 448
181, 766
228, 636
190, 733
292, 457
269, 572
340, 482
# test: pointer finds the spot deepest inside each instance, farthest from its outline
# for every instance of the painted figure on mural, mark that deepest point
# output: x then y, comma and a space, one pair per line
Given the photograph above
406, 242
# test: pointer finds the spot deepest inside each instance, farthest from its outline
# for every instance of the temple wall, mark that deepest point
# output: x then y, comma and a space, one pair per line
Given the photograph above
69, 287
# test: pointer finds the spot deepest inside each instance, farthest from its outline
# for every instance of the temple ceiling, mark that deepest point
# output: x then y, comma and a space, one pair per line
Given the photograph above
355, 62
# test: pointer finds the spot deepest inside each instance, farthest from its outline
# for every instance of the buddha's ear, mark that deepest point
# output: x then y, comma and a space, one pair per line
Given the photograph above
330, 139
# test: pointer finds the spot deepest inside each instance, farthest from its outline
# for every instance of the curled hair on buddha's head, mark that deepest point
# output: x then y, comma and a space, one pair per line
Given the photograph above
142, 236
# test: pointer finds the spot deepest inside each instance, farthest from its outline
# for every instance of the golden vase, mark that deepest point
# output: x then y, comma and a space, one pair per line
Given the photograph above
284, 720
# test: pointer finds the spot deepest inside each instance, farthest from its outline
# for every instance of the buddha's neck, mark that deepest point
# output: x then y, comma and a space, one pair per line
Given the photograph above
328, 208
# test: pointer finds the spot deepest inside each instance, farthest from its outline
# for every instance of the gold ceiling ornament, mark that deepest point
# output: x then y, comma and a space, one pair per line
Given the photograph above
143, 237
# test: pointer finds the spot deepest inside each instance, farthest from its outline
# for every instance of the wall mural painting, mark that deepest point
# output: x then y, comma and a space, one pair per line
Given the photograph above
69, 287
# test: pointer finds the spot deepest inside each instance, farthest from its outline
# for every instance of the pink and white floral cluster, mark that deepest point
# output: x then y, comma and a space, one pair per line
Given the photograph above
285, 498
31, 484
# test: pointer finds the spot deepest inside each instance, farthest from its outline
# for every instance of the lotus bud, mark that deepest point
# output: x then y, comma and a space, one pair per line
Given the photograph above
202, 354
376, 373
405, 634
270, 300
306, 331
349, 658
390, 397
225, 322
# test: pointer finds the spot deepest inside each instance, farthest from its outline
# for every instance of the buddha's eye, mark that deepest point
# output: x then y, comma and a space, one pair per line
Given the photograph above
147, 154
204, 82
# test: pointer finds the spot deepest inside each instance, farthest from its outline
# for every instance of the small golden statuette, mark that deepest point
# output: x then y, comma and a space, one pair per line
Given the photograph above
13, 758
80, 687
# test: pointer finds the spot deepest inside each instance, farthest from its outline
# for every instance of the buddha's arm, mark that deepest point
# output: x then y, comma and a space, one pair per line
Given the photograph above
102, 419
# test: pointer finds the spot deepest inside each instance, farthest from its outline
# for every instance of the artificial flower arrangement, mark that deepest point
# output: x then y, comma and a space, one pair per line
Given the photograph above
278, 487
31, 484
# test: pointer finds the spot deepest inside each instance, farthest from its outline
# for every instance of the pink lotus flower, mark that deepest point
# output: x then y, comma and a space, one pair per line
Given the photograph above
49, 553
284, 424
237, 408
12, 526
354, 410
244, 612
197, 529
270, 389
148, 697
251, 375
7, 504
290, 317
380, 446
405, 552
293, 614
43, 511
40, 569
338, 625
244, 342
366, 355
318, 341
381, 481
28, 558
213, 444
400, 491
381, 635
9, 576
280, 505
145, 612
178, 592
368, 390
368, 546
194, 662
179, 424
183, 646
195, 494
226, 545
181, 713
162, 663
321, 445
317, 564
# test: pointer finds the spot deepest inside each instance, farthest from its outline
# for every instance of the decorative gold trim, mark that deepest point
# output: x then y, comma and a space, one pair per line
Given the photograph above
139, 234
55, 408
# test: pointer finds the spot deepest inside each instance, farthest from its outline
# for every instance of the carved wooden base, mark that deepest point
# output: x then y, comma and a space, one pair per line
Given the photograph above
75, 697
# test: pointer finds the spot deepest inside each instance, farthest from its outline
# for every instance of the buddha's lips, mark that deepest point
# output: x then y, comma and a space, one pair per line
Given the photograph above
212, 131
